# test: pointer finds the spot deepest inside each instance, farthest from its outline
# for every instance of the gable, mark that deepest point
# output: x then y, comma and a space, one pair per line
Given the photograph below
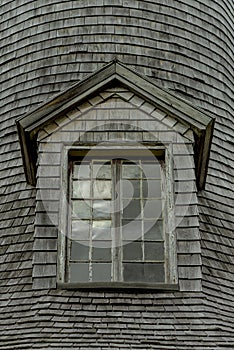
115, 111
177, 113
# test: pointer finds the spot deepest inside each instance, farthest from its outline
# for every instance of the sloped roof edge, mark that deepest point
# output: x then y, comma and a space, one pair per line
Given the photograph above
200, 122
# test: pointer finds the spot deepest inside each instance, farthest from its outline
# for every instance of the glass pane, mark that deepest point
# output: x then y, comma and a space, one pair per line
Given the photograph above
101, 209
154, 251
151, 188
101, 272
154, 273
102, 189
131, 171
131, 188
151, 170
153, 209
81, 189
143, 272
101, 254
81, 170
132, 251
101, 171
79, 250
79, 272
101, 230
131, 230
153, 230
131, 209
80, 229
133, 272
81, 209
145, 189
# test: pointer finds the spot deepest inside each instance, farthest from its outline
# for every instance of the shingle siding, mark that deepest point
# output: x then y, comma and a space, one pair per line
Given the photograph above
186, 46
118, 120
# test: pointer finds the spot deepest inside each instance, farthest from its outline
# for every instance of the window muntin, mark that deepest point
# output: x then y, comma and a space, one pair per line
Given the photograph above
117, 224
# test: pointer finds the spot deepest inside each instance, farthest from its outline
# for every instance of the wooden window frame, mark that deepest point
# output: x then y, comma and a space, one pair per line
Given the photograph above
171, 279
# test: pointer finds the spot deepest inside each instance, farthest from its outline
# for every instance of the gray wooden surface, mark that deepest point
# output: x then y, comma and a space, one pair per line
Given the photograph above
185, 46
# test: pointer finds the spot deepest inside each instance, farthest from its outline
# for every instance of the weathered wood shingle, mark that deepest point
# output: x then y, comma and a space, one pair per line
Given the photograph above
185, 46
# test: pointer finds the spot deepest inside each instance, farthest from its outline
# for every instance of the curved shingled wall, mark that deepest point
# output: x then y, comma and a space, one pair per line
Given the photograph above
186, 46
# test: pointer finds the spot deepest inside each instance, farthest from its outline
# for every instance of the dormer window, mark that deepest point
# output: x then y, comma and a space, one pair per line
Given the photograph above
117, 221
103, 218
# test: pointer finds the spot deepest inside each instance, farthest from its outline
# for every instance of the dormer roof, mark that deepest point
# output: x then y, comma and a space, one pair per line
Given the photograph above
112, 74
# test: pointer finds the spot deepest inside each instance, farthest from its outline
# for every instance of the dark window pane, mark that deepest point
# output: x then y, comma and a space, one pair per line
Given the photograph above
81, 189
151, 188
101, 230
79, 250
131, 188
154, 273
101, 209
143, 272
131, 230
79, 272
101, 272
145, 189
80, 229
132, 251
131, 209
153, 209
153, 230
133, 272
101, 254
102, 189
154, 251
81, 209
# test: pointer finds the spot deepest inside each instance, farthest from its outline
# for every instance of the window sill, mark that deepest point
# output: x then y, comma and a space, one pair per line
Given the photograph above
130, 286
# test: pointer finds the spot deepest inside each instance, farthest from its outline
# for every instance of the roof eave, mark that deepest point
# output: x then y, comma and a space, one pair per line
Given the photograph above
201, 123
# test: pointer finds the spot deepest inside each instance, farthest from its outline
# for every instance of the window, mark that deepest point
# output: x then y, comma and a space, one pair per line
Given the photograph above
117, 218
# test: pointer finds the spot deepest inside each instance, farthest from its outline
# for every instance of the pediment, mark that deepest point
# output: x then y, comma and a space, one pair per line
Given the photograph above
101, 88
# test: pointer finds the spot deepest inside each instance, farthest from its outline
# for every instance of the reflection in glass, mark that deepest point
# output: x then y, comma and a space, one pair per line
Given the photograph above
101, 230
80, 229
101, 171
81, 209
81, 189
131, 171
81, 170
102, 189
127, 232
101, 209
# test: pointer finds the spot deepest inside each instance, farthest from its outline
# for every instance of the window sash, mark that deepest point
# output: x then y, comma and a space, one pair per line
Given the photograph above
117, 246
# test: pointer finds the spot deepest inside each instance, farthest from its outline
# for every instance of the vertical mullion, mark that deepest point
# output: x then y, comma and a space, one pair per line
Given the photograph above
117, 268
91, 221
69, 219
142, 211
